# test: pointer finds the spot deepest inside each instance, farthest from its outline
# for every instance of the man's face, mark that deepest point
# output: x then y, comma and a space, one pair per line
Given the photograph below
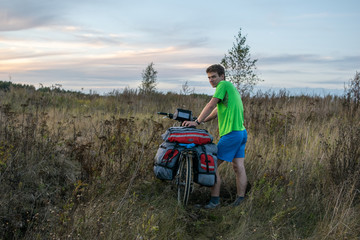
214, 78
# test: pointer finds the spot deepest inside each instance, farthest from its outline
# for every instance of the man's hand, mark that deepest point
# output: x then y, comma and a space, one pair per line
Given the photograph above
208, 113
189, 124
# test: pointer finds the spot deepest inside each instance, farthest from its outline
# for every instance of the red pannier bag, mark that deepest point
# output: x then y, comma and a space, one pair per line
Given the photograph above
187, 135
205, 164
166, 160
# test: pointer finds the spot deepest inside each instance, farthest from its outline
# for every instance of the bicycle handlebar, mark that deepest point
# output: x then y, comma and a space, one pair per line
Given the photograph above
180, 115
169, 115
163, 113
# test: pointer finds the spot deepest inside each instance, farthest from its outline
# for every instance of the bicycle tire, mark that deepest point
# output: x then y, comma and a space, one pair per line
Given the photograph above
184, 178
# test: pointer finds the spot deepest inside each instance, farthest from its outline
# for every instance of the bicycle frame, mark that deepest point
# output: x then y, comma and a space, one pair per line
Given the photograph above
184, 178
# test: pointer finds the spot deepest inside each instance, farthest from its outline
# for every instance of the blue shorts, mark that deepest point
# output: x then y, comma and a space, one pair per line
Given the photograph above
232, 145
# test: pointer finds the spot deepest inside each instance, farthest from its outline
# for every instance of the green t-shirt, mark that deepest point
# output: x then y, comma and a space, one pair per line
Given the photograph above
230, 108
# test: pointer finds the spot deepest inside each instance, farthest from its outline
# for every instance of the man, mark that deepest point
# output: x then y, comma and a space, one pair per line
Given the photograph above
226, 104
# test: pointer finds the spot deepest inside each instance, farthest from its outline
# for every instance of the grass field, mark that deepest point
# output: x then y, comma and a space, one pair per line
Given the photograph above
75, 166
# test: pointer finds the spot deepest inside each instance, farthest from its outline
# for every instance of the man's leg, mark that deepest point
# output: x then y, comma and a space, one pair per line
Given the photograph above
215, 190
241, 178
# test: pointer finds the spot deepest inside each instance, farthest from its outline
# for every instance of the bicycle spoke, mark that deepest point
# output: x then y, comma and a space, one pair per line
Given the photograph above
184, 181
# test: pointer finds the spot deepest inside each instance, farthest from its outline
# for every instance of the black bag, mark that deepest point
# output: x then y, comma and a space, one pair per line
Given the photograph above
166, 160
205, 164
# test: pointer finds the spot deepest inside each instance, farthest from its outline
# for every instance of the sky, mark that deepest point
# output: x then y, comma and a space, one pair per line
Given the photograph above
101, 46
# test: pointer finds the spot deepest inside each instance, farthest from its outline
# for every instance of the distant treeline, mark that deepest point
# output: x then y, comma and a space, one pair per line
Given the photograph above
7, 85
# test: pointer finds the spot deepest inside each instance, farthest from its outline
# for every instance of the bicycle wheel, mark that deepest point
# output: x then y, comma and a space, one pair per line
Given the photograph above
184, 178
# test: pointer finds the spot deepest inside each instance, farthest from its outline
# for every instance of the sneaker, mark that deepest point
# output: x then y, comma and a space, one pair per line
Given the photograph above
211, 205
198, 206
238, 201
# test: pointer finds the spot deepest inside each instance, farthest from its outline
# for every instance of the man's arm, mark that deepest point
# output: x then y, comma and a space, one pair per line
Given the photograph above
212, 116
205, 113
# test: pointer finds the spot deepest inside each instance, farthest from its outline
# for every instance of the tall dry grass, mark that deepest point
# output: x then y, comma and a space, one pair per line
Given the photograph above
80, 167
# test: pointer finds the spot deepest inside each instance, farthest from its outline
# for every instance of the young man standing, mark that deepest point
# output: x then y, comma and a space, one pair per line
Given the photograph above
226, 104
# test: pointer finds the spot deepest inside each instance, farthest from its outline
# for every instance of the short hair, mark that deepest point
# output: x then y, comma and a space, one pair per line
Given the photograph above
220, 70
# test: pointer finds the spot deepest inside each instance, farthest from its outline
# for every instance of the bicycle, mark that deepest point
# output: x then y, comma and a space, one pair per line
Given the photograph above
188, 171
184, 178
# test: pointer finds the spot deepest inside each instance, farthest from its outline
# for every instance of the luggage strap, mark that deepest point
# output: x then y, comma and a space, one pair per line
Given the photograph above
206, 159
172, 153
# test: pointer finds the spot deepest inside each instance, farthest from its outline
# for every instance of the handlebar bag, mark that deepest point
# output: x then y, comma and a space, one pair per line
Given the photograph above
187, 135
166, 160
205, 164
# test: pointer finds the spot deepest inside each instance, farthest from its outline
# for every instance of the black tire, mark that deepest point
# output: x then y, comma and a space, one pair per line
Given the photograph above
184, 179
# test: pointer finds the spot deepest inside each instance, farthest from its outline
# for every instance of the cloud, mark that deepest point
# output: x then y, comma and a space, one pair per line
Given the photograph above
291, 58
99, 39
98, 43
20, 15
309, 59
307, 70
312, 16
6, 54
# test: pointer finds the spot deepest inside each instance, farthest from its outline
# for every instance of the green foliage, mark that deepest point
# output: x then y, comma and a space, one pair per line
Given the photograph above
35, 176
240, 67
344, 155
149, 78
186, 90
352, 92
6, 86
76, 166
